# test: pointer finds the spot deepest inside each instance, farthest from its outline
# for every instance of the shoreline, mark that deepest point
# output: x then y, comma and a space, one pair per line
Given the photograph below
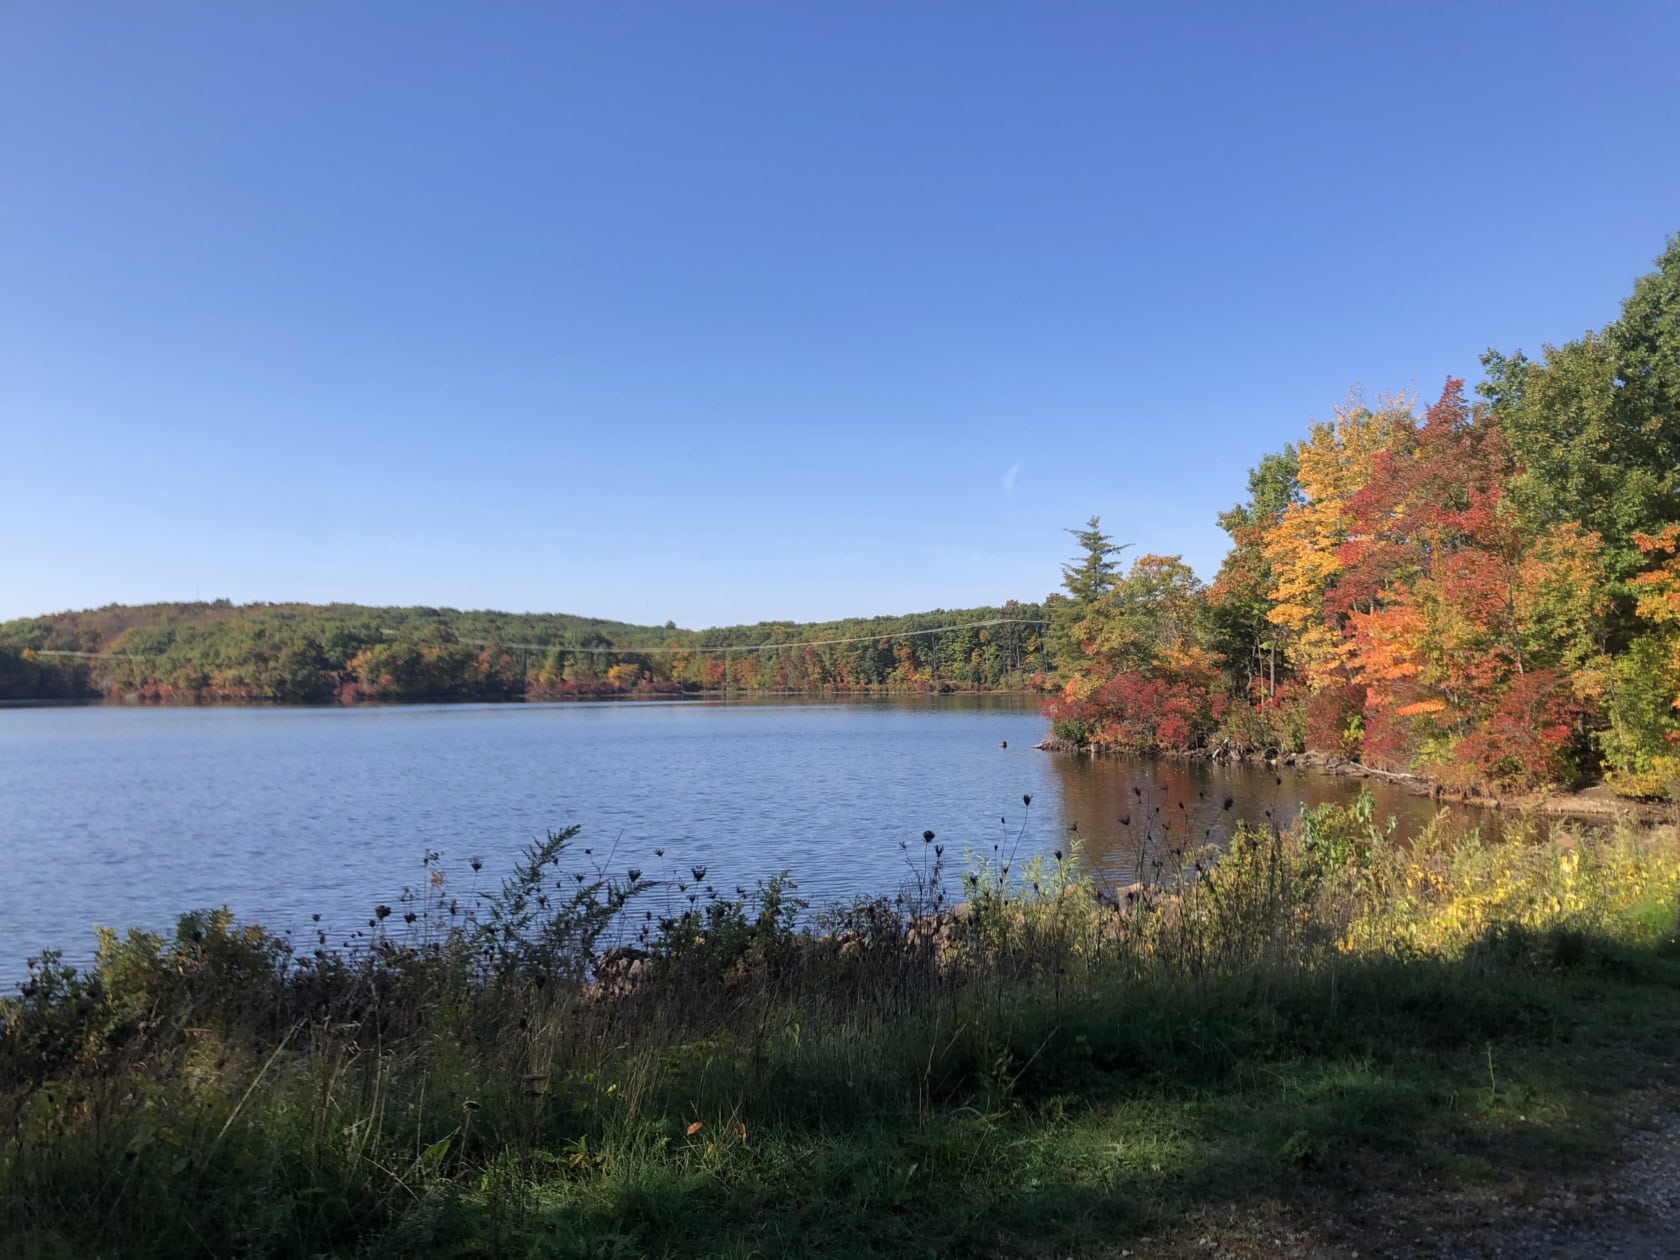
1596, 803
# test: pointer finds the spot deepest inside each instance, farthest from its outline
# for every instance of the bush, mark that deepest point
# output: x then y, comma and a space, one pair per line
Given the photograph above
1335, 719
1070, 731
1642, 744
1534, 736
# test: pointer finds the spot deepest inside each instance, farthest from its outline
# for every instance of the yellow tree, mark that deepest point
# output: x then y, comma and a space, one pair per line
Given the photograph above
1334, 465
1643, 744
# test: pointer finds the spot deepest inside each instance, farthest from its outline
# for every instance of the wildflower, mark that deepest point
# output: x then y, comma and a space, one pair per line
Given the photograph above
478, 864
1026, 799
634, 874
699, 873
927, 837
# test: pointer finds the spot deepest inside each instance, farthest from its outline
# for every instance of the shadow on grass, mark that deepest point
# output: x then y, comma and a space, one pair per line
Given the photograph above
1001, 1113
1128, 1114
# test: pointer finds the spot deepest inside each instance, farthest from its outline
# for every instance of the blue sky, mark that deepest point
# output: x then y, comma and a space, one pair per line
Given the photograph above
721, 312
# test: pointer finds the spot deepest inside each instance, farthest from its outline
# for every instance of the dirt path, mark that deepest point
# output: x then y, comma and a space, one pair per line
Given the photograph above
1628, 1208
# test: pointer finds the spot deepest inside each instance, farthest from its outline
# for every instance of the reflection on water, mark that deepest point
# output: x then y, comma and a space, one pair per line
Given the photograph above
131, 816
1117, 804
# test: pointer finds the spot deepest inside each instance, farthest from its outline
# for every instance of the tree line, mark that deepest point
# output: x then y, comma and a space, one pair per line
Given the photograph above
299, 653
1485, 591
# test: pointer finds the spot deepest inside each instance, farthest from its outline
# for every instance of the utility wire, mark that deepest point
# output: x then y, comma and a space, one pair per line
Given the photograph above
642, 651
756, 647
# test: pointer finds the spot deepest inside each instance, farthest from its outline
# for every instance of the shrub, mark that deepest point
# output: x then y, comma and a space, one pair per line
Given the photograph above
1334, 719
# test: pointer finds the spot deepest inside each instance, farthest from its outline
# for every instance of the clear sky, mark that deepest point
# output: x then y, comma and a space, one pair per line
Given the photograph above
729, 311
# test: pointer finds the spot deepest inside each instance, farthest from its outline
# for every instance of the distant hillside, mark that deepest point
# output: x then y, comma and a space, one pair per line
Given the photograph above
305, 653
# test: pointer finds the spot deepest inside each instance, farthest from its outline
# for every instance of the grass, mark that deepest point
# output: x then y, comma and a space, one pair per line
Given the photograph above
1038, 1073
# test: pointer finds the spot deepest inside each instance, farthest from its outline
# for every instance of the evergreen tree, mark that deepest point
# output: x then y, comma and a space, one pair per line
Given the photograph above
1090, 582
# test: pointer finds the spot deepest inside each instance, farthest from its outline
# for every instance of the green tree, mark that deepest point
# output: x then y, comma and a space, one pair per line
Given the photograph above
1089, 580
1595, 424
1092, 574
1240, 596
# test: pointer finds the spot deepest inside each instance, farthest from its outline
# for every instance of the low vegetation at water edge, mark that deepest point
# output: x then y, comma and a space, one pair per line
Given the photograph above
597, 1062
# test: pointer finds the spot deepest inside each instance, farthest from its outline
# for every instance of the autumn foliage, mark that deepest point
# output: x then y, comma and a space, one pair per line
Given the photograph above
1486, 594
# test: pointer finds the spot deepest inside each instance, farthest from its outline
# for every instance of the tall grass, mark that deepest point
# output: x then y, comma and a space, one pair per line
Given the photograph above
592, 1061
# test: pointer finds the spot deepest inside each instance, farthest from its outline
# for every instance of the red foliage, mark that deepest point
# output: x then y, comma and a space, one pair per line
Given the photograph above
1532, 735
1390, 740
1133, 710
1425, 501
1330, 719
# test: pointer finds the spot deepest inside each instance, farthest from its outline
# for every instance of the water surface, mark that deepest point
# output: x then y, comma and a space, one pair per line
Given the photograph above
128, 816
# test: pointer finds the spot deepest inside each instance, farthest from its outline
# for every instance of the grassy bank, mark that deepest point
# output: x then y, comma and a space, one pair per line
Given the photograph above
592, 1063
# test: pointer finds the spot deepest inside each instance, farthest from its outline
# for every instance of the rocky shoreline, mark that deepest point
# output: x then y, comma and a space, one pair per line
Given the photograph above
1597, 803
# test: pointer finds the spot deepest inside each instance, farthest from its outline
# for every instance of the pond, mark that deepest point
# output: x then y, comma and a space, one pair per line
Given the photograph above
129, 816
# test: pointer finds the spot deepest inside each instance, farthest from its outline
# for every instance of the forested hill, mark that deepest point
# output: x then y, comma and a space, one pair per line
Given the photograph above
302, 653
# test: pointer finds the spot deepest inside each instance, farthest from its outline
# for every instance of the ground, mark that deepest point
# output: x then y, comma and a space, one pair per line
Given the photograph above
1627, 1205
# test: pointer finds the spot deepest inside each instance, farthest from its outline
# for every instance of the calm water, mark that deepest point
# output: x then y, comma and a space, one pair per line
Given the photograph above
129, 816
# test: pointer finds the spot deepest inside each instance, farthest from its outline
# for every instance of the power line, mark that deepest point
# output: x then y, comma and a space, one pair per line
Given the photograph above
718, 649
754, 647
93, 656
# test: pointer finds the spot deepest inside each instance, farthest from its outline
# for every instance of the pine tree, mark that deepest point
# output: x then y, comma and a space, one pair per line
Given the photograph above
1089, 580
1092, 575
